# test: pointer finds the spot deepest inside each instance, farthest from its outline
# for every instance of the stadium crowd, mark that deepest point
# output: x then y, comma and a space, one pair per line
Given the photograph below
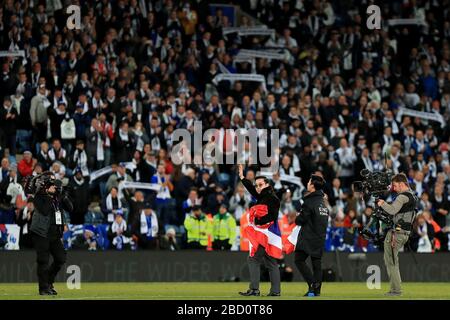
113, 92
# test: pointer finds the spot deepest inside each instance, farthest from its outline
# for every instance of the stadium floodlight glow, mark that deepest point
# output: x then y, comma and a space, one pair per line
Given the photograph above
226, 146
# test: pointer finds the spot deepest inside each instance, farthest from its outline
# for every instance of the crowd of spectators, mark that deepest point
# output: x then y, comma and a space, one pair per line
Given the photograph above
113, 92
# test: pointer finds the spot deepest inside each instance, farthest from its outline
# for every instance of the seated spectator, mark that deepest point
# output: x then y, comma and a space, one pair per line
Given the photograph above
224, 229
169, 241
145, 229
26, 165
198, 228
118, 234
59, 170
58, 153
4, 169
90, 237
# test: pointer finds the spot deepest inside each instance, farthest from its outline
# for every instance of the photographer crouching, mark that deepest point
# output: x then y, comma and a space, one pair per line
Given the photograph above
403, 212
47, 228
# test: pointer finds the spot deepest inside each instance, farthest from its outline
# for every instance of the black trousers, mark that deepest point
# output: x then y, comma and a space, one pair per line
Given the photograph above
45, 247
309, 276
221, 244
254, 264
195, 245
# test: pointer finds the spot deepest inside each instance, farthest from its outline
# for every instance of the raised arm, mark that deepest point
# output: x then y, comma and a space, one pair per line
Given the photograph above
247, 183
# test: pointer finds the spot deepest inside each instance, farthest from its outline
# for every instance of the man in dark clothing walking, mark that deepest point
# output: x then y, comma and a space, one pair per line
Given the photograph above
264, 195
313, 219
47, 229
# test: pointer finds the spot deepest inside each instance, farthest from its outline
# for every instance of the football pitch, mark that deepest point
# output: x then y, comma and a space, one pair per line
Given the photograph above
218, 291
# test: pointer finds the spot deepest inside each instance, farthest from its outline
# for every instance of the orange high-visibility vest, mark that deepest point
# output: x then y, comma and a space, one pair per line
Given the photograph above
210, 240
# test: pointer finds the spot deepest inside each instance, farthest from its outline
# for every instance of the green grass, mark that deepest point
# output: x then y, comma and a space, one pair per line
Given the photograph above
217, 291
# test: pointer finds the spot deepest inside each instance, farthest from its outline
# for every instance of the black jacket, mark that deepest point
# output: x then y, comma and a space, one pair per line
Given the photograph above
267, 197
81, 193
43, 222
313, 220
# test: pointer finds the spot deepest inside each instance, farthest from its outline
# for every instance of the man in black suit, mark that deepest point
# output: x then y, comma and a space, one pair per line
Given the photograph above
264, 195
8, 123
313, 219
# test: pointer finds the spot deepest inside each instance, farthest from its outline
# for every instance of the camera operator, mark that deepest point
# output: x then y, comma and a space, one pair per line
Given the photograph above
403, 212
47, 229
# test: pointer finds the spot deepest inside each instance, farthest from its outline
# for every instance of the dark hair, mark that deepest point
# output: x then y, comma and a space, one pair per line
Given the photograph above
317, 181
266, 180
400, 177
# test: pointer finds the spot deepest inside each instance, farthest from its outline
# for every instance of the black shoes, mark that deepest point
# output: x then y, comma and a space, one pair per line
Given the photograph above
250, 292
52, 290
317, 287
274, 294
45, 292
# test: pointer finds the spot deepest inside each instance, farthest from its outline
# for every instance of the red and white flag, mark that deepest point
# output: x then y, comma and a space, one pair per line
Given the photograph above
268, 235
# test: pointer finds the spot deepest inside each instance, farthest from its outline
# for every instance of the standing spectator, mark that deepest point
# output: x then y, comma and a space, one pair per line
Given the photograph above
147, 167
111, 205
24, 217
224, 229
57, 116
8, 123
135, 205
38, 114
43, 157
441, 206
119, 174
239, 202
80, 159
164, 202
198, 228
145, 229
95, 150
191, 201
124, 144
15, 189
80, 194
422, 236
347, 158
